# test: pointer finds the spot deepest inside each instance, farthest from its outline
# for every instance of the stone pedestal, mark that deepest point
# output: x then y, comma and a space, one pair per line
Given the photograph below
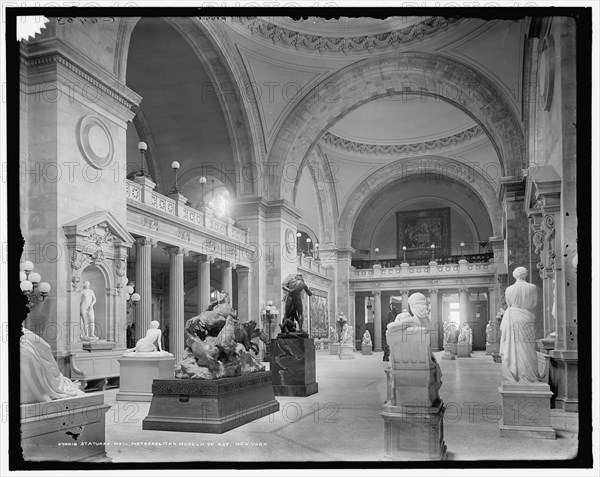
98, 345
448, 355
454, 348
414, 433
65, 430
334, 348
210, 405
526, 410
490, 348
346, 351
366, 349
463, 350
293, 367
137, 375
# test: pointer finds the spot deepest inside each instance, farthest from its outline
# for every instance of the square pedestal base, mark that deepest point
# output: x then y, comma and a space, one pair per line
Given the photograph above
66, 430
334, 348
366, 349
490, 348
210, 405
346, 352
137, 375
448, 353
526, 410
293, 367
414, 434
98, 345
463, 350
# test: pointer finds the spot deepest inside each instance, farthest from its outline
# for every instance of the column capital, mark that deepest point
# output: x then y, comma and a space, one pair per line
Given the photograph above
199, 258
404, 290
146, 242
176, 251
433, 290
376, 292
242, 270
463, 289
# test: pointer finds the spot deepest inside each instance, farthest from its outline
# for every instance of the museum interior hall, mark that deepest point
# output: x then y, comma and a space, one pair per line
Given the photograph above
304, 239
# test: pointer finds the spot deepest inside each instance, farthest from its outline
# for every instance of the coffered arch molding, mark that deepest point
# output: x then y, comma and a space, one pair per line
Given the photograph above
387, 175
321, 175
407, 73
243, 136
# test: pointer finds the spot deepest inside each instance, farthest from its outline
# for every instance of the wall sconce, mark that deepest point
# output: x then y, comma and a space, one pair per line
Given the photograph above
131, 298
32, 285
433, 252
175, 166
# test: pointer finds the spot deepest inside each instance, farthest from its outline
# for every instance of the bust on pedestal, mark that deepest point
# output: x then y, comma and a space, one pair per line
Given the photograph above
525, 397
139, 366
465, 342
413, 427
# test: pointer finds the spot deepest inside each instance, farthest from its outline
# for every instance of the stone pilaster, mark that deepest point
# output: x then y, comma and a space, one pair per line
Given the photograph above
377, 323
342, 281
176, 291
226, 278
246, 312
463, 296
203, 289
143, 285
352, 313
437, 336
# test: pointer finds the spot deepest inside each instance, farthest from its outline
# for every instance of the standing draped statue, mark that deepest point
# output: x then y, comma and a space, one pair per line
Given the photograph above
86, 313
517, 343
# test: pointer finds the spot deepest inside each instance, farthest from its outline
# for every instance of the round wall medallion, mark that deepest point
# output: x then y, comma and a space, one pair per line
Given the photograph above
95, 142
290, 240
546, 72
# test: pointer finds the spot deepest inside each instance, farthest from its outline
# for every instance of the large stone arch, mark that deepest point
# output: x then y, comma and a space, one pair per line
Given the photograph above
320, 171
398, 73
387, 175
243, 135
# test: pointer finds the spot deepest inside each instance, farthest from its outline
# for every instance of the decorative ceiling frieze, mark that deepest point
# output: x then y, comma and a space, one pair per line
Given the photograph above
462, 137
345, 45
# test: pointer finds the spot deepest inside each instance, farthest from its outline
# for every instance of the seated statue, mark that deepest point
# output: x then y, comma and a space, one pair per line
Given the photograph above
366, 341
149, 343
41, 380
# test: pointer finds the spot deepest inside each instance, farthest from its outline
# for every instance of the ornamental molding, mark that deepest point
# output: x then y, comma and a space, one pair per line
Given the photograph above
336, 44
454, 140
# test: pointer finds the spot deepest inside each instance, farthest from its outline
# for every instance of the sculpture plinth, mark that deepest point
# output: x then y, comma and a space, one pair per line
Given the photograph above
448, 353
334, 348
138, 373
293, 367
210, 405
346, 351
66, 430
526, 410
463, 350
97, 345
413, 415
366, 349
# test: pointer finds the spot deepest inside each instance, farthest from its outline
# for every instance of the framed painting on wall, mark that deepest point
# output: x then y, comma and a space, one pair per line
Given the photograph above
417, 230
319, 327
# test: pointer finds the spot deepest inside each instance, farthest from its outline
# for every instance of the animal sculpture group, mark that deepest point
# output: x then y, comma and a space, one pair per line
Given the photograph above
219, 345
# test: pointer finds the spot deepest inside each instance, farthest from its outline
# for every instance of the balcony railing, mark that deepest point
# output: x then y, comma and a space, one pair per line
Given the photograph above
423, 262
198, 218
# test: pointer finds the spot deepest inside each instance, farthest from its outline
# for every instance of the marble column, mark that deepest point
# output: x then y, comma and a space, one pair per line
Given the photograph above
143, 285
226, 278
203, 288
352, 313
404, 300
493, 344
437, 337
377, 323
244, 296
463, 294
176, 292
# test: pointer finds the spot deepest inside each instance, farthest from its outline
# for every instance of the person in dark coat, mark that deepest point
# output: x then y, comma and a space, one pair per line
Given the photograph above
391, 316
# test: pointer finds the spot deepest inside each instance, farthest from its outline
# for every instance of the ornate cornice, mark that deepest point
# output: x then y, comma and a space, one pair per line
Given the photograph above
346, 44
420, 147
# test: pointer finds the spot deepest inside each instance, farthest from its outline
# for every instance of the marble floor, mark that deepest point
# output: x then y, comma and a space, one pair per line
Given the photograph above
342, 422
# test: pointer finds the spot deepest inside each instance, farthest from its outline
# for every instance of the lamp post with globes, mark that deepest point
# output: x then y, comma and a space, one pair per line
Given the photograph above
433, 252
462, 254
404, 254
142, 147
202, 181
308, 241
131, 298
175, 166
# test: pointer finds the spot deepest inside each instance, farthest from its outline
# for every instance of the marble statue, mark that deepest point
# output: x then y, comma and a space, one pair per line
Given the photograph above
466, 335
450, 333
218, 344
293, 306
366, 340
41, 380
347, 336
418, 306
86, 313
333, 335
147, 346
489, 333
517, 342
404, 316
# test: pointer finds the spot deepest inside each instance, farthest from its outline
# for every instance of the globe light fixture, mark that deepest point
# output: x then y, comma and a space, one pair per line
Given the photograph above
31, 285
142, 147
175, 166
